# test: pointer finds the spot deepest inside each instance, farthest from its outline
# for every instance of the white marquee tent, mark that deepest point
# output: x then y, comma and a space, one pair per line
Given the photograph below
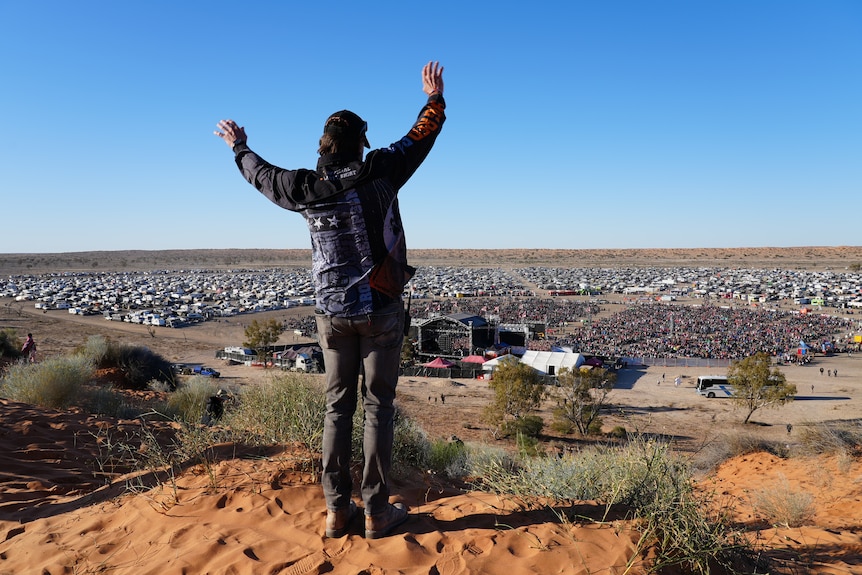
545, 362
550, 362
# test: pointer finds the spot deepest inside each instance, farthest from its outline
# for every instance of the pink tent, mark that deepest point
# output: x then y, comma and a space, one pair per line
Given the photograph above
473, 359
438, 362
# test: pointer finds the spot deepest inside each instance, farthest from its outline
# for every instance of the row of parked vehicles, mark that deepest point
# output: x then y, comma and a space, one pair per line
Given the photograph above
154, 318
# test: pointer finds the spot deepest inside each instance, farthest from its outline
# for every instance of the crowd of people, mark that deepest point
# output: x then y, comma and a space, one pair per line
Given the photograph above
553, 313
652, 329
660, 330
644, 329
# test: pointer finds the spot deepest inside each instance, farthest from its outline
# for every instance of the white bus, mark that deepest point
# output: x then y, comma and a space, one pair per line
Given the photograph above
714, 386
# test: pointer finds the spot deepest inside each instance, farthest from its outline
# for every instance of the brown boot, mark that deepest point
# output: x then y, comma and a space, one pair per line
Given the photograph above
381, 524
338, 521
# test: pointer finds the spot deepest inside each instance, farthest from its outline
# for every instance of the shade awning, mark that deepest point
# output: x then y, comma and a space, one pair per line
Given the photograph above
438, 362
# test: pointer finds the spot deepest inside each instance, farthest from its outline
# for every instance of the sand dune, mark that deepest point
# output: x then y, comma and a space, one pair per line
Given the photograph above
262, 512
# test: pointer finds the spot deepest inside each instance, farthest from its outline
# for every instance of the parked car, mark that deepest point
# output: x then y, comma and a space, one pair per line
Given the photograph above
206, 371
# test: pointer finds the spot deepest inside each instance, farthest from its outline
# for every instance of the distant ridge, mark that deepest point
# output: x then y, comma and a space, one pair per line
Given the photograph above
806, 257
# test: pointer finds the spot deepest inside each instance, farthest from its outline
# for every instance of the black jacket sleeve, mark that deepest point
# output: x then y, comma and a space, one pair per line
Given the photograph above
409, 152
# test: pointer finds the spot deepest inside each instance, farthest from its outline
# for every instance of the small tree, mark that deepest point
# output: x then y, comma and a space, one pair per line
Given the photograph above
407, 353
756, 384
260, 335
517, 392
582, 395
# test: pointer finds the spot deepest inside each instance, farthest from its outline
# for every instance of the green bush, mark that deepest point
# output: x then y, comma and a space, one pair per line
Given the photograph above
139, 364
723, 447
287, 408
55, 383
529, 426
528, 446
595, 427
10, 347
642, 475
96, 349
410, 445
410, 448
448, 458
159, 386
563, 426
188, 402
291, 407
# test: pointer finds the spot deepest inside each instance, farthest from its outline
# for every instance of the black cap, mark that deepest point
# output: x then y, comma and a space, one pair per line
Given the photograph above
346, 124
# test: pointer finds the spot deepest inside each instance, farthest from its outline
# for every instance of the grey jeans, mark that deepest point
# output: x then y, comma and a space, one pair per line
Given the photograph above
368, 345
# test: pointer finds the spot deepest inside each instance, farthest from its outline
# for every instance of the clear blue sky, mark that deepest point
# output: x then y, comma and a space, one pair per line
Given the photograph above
571, 124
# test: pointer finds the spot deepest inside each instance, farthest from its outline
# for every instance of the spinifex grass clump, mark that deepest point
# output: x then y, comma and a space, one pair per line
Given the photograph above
449, 458
287, 408
640, 475
55, 383
834, 438
291, 407
781, 505
188, 402
410, 449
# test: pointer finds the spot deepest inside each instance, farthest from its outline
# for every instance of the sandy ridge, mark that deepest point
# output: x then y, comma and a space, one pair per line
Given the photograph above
813, 257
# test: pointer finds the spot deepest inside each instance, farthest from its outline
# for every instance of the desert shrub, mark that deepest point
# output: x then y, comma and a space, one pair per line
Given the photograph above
287, 408
104, 401
357, 422
724, 447
159, 386
9, 345
517, 391
528, 425
410, 445
743, 443
55, 383
528, 446
595, 427
448, 458
493, 468
563, 426
642, 475
96, 349
188, 402
291, 407
139, 364
839, 439
410, 448
618, 432
781, 505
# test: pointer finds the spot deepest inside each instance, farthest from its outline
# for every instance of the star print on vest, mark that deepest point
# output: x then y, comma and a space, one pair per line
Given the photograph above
324, 224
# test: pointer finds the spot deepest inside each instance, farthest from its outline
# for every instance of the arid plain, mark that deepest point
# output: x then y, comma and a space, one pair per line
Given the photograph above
453, 531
